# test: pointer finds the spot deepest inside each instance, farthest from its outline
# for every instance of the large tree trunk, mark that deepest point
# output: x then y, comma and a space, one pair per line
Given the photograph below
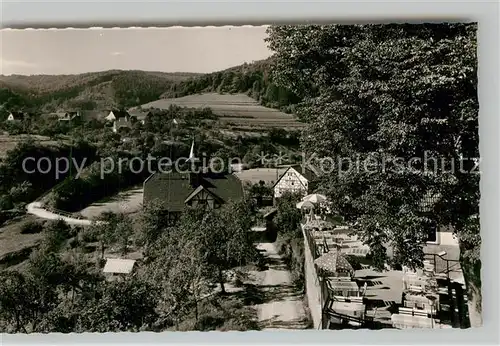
472, 276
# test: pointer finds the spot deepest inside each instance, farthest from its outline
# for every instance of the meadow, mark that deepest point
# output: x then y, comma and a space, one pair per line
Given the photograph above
234, 109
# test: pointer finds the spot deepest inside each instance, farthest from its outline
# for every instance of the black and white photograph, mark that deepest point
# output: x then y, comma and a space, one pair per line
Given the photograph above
240, 178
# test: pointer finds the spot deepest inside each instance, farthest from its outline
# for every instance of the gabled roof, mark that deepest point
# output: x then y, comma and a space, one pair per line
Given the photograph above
139, 114
174, 188
306, 172
198, 190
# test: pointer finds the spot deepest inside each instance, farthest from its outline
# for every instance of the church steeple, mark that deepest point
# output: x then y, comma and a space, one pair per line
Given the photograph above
194, 169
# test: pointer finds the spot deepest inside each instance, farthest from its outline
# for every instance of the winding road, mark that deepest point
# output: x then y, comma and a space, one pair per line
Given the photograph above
36, 208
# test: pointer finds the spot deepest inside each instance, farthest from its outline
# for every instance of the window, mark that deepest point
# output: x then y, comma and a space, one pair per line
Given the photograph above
432, 233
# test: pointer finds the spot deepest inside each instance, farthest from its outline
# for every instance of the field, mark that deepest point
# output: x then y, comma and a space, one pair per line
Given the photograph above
9, 142
237, 109
254, 175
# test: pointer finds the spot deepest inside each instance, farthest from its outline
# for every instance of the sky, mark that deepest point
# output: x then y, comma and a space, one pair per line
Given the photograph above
176, 49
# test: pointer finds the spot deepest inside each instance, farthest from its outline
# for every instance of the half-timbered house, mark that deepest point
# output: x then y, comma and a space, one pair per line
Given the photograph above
296, 179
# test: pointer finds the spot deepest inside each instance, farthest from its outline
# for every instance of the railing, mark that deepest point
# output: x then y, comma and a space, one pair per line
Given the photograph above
448, 266
64, 213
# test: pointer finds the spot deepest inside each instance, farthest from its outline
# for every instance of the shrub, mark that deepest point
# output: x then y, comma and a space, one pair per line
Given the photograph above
32, 227
291, 248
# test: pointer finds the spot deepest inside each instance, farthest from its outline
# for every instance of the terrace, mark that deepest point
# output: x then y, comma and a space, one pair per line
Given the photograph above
238, 109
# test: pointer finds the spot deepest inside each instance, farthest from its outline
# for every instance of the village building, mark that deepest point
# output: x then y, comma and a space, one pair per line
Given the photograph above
193, 186
139, 115
116, 114
295, 179
122, 124
437, 235
66, 116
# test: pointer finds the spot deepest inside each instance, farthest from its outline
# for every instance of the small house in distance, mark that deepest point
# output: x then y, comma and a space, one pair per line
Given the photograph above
116, 267
66, 116
122, 124
295, 179
16, 116
138, 115
116, 114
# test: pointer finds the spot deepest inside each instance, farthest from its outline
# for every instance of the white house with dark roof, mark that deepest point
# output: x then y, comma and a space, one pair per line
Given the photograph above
295, 179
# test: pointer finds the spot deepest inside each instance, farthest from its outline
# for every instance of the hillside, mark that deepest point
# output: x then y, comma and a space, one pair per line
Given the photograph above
237, 109
95, 90
253, 79
125, 89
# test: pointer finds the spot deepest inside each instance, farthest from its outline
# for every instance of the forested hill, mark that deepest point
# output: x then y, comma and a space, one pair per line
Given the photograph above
254, 79
123, 89
96, 90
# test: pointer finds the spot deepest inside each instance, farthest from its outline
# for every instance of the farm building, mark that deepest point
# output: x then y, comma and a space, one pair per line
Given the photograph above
199, 188
295, 179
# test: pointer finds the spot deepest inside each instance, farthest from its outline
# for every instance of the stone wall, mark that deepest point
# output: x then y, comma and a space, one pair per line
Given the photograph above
313, 287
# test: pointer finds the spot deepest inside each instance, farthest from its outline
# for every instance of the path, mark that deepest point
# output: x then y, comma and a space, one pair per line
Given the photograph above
283, 307
36, 208
127, 202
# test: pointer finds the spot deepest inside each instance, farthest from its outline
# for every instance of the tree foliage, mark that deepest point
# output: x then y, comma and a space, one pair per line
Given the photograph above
385, 95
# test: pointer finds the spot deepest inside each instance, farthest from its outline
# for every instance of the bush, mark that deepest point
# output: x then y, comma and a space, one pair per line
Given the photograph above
88, 236
32, 227
291, 248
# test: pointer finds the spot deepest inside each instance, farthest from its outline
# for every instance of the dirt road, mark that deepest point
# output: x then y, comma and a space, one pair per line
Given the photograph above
283, 307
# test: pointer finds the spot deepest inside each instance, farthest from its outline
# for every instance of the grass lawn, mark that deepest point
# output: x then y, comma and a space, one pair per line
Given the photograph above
15, 247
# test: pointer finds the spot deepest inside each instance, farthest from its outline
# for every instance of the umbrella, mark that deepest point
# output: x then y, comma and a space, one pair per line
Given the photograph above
333, 262
315, 198
304, 205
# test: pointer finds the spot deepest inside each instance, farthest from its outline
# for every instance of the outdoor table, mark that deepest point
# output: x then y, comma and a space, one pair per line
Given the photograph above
342, 288
401, 321
422, 302
350, 309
